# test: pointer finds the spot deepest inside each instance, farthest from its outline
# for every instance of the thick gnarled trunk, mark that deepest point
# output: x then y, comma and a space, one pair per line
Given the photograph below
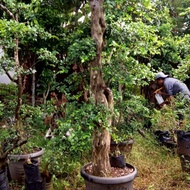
100, 93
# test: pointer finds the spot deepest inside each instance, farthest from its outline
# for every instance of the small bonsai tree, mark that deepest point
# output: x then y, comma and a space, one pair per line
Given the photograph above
9, 140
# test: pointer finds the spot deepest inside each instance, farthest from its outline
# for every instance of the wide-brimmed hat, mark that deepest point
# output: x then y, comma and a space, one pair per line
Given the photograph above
160, 75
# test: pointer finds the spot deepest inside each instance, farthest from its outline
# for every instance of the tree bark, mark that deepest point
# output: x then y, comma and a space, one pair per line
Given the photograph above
100, 93
19, 81
33, 88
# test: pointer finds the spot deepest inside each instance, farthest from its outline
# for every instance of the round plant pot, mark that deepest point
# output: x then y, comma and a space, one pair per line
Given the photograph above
16, 163
109, 183
4, 185
124, 147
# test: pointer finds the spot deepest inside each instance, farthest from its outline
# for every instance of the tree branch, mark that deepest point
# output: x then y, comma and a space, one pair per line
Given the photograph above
15, 145
7, 10
9, 76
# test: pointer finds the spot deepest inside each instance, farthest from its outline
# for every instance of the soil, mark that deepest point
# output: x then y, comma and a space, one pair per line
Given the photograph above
115, 172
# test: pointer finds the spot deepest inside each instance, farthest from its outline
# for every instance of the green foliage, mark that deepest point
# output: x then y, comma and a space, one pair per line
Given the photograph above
82, 51
33, 119
131, 114
47, 55
181, 106
140, 36
168, 118
164, 119
47, 81
74, 132
8, 93
8, 137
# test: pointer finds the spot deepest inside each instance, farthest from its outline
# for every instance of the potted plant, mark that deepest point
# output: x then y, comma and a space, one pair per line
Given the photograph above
125, 147
130, 116
117, 159
31, 118
10, 140
97, 174
18, 32
16, 161
8, 144
47, 176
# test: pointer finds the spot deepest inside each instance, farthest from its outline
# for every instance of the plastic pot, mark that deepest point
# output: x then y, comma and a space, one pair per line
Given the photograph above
109, 183
117, 161
183, 142
37, 185
4, 185
183, 149
49, 185
165, 138
32, 172
16, 163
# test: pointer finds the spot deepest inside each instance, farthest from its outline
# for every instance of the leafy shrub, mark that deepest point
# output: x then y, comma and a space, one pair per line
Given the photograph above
131, 114
168, 118
8, 94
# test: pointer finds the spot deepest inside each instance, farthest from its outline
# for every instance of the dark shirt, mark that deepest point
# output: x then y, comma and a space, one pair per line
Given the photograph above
174, 86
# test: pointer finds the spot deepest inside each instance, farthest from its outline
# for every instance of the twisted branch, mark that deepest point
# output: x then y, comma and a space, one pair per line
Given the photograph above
7, 10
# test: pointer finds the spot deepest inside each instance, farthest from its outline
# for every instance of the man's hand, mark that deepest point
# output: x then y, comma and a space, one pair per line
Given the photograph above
158, 91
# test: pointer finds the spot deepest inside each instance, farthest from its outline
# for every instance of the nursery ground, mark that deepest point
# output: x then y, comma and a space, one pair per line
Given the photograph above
158, 169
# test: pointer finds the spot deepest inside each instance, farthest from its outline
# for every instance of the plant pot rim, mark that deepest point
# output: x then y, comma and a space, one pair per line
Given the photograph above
109, 180
26, 156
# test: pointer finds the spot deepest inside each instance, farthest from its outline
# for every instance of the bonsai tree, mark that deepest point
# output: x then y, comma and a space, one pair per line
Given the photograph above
9, 140
11, 40
100, 92
17, 30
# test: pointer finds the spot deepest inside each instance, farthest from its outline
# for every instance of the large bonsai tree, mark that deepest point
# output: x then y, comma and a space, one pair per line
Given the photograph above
100, 93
